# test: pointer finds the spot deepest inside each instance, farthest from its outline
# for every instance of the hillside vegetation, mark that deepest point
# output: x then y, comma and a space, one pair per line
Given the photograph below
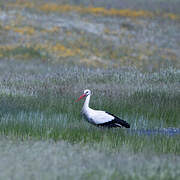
91, 34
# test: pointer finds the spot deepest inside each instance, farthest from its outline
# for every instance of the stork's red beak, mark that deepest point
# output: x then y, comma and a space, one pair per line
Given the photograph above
81, 97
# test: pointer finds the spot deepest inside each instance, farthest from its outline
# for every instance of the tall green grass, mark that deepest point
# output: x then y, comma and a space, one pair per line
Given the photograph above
42, 105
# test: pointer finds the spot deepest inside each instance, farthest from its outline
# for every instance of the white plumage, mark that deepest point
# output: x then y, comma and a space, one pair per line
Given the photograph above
96, 116
100, 118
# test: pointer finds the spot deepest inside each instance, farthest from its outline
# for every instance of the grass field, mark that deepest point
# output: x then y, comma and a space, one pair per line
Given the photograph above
127, 53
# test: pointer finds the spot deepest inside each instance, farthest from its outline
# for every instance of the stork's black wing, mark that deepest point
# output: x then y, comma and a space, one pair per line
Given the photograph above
116, 122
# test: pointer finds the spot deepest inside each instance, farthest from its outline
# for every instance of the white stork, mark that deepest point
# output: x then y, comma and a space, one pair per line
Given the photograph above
100, 118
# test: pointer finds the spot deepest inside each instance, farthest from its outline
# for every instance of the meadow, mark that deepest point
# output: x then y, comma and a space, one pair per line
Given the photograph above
128, 55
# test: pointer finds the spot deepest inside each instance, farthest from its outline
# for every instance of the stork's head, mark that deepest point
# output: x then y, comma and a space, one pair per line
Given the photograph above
86, 93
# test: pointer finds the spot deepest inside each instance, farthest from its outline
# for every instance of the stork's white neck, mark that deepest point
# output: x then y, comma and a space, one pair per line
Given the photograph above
86, 103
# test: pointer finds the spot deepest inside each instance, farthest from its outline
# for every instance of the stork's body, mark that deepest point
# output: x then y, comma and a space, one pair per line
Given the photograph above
100, 118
